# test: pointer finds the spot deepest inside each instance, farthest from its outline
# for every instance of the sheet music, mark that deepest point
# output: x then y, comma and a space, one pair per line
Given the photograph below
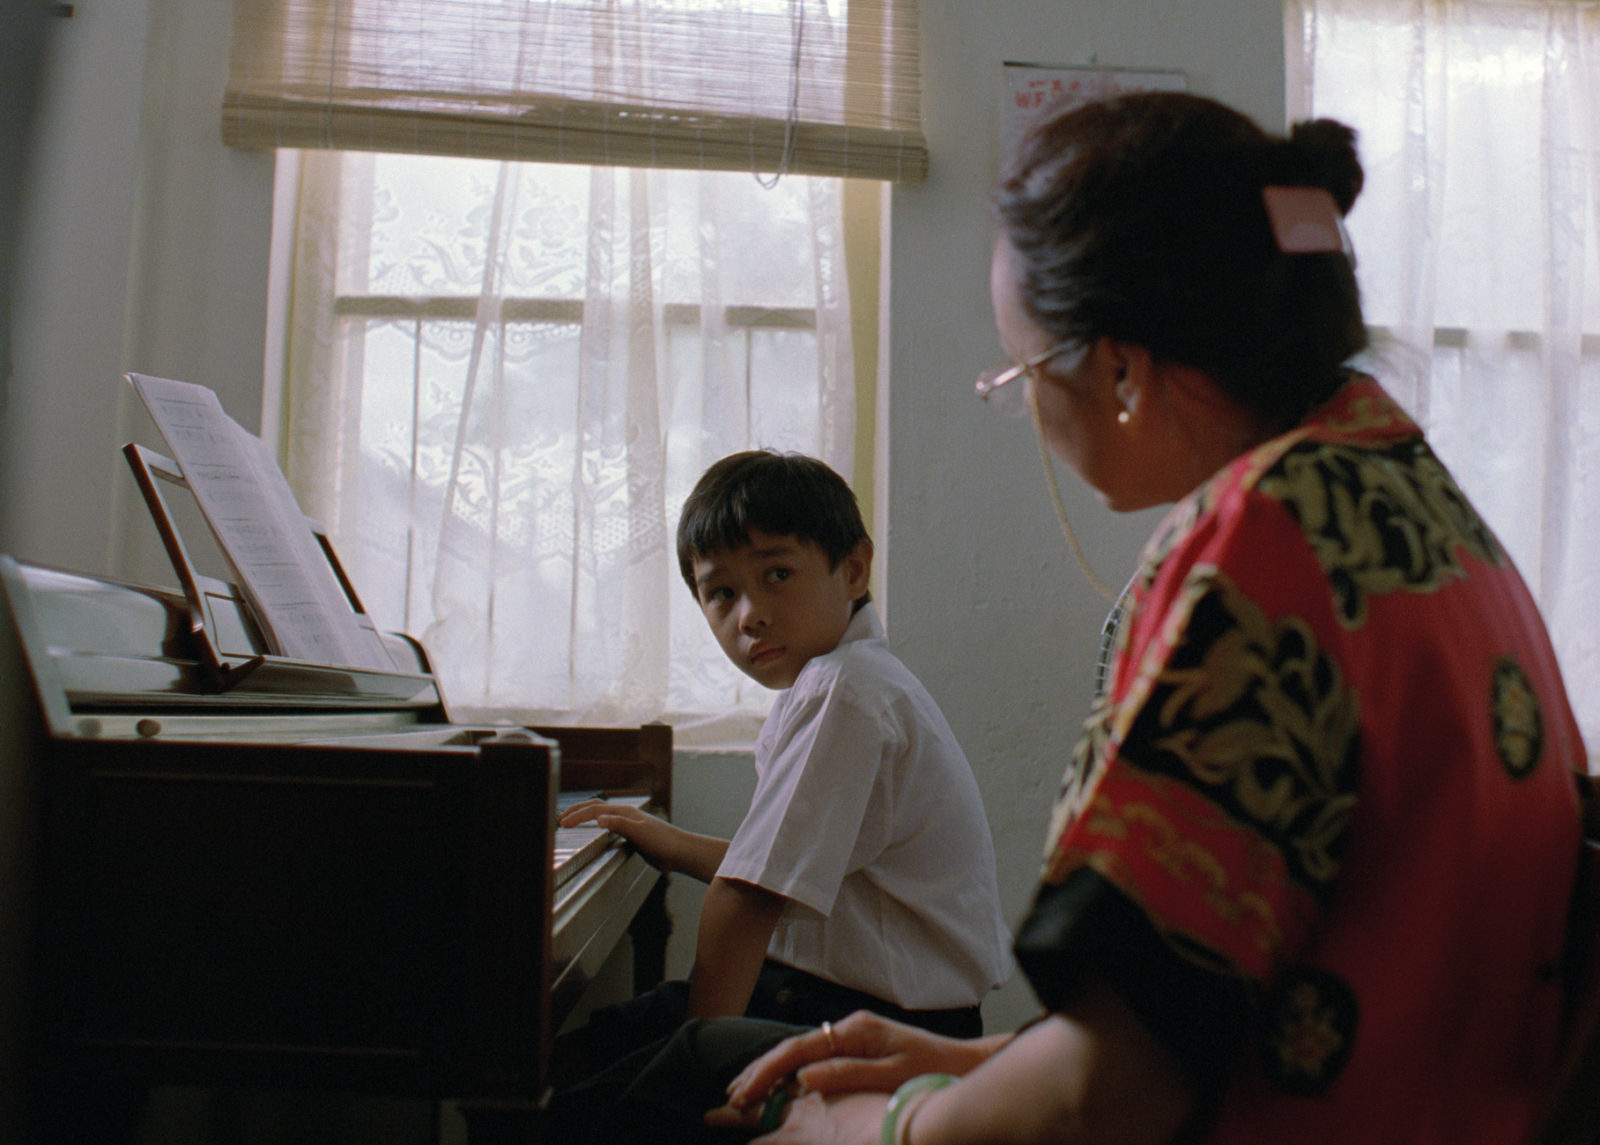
260, 529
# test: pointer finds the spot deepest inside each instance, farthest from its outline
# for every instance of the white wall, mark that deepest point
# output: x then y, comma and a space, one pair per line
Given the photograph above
984, 601
145, 248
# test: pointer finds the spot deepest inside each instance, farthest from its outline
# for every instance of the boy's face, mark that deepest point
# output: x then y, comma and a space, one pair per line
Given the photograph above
774, 604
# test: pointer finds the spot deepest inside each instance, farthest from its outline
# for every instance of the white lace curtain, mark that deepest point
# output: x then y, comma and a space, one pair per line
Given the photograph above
503, 378
499, 421
1478, 247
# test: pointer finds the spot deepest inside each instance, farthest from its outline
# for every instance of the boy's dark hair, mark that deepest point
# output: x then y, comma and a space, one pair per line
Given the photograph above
787, 494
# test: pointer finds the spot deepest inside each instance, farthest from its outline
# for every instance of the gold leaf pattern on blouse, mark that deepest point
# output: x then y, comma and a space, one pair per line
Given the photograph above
1379, 521
1311, 1026
1518, 725
1367, 414
1257, 714
1188, 863
1251, 714
1088, 760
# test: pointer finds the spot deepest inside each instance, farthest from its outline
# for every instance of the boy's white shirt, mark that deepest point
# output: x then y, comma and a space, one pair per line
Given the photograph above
866, 816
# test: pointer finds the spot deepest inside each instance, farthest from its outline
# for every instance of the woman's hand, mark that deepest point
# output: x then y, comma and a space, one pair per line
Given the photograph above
865, 1052
1090, 1071
854, 1119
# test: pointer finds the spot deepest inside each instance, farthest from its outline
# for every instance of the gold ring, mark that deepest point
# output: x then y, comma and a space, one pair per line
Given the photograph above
827, 1032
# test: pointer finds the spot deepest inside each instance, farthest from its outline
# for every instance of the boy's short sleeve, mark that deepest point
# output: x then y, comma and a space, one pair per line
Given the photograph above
867, 818
819, 758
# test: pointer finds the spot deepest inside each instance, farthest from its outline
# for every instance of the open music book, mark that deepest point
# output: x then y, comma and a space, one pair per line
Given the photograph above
297, 593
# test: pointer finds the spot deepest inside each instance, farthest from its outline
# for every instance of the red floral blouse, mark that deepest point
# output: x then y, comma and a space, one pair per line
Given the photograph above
1321, 830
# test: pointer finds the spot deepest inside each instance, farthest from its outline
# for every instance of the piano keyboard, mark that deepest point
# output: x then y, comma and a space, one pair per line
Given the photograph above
577, 847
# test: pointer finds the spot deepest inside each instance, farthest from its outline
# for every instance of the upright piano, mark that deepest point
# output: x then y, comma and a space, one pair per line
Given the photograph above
278, 874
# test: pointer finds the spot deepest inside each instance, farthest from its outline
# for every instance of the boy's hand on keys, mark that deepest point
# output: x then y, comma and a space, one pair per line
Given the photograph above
656, 839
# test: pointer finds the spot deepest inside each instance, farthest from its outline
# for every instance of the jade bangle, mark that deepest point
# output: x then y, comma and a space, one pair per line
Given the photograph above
917, 1086
772, 1111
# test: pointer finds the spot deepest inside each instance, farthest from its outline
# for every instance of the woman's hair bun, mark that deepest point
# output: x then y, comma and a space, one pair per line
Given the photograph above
1324, 151
1141, 218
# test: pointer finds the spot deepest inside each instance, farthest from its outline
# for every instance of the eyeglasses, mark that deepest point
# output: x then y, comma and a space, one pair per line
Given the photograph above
995, 388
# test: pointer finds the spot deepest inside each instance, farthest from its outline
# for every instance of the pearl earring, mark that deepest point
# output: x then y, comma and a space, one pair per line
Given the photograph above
1128, 396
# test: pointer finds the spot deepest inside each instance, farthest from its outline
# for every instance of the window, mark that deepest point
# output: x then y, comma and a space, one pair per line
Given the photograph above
499, 443
1479, 260
550, 260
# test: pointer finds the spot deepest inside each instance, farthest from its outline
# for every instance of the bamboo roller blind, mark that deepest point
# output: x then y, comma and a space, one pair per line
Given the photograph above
817, 87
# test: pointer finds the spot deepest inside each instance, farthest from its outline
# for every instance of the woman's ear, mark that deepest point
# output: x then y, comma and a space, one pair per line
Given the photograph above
1129, 367
1128, 395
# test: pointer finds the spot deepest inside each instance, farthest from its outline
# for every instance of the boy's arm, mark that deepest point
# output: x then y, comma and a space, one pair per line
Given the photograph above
736, 923
667, 847
699, 856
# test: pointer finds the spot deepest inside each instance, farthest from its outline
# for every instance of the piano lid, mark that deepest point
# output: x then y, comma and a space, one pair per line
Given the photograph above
274, 628
98, 645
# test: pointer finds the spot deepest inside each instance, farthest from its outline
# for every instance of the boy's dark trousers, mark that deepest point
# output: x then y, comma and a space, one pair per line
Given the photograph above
596, 1065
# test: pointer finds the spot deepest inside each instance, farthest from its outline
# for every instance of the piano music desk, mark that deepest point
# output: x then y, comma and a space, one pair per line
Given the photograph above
291, 887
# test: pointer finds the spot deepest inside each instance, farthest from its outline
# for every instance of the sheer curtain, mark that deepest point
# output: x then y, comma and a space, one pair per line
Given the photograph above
1478, 246
503, 377
498, 400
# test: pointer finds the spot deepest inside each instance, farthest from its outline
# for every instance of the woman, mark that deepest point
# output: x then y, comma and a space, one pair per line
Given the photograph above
1309, 873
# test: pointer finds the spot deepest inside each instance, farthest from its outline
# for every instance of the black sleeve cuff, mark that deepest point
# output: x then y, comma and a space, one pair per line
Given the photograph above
1086, 928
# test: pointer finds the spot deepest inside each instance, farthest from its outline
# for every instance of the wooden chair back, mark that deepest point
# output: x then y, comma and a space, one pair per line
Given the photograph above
1573, 1116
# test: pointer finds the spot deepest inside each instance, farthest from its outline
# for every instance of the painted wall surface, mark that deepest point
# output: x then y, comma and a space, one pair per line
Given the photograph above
984, 600
145, 247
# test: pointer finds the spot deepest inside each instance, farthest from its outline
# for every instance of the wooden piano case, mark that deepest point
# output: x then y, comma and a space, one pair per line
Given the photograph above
301, 883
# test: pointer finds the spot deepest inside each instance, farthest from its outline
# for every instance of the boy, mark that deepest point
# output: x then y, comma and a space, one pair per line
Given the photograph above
863, 875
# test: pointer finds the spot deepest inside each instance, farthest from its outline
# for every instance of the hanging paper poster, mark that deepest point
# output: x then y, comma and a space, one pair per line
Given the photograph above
1032, 87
